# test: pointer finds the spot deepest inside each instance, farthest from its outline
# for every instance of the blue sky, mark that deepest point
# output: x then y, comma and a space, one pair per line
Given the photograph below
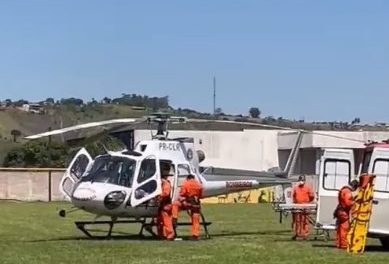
317, 60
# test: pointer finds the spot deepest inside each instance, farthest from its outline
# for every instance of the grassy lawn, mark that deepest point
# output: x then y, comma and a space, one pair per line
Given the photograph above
33, 233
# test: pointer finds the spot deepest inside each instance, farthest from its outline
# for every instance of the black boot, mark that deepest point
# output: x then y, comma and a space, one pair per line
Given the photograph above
174, 223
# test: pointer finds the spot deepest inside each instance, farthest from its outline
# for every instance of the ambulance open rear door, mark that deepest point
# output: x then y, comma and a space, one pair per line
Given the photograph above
336, 171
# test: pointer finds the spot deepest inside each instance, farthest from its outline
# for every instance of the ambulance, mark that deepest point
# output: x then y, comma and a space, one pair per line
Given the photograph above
338, 167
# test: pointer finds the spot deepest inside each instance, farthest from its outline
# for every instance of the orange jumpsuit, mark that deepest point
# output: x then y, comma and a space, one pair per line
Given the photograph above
301, 194
165, 224
342, 214
190, 193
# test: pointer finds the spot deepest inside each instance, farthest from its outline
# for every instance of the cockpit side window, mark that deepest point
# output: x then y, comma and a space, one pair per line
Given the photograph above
148, 181
183, 170
78, 169
147, 170
167, 166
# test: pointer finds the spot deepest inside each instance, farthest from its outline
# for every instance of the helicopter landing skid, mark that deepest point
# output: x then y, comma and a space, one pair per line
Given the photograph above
148, 227
82, 226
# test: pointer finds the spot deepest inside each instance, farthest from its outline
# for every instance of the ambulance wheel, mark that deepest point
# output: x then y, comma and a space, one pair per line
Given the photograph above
385, 242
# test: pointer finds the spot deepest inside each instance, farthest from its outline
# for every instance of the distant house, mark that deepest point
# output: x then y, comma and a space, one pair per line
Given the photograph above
33, 108
47, 103
142, 108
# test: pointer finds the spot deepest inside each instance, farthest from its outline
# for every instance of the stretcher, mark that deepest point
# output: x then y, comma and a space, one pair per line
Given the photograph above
309, 209
361, 213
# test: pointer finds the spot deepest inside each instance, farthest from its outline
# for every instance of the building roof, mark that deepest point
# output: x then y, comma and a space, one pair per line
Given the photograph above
331, 139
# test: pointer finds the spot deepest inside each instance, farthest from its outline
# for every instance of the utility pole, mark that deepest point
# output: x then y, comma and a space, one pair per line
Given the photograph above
49, 165
214, 95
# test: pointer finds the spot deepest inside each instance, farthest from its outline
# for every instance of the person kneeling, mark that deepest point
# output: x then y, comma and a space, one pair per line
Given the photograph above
190, 194
342, 213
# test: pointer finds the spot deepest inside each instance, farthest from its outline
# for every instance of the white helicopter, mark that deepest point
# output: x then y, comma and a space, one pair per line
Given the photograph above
124, 184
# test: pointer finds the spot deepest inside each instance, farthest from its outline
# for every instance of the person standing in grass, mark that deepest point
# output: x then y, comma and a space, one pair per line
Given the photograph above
302, 194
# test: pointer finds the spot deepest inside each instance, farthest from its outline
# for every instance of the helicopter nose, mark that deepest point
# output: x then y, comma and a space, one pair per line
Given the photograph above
84, 194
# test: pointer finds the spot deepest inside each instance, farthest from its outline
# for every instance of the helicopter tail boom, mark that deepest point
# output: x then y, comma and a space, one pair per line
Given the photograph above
214, 188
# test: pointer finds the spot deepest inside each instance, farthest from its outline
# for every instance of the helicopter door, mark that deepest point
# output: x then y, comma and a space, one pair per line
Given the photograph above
147, 183
182, 172
74, 172
336, 171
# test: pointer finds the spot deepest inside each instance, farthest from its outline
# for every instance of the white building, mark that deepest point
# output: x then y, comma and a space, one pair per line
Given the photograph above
248, 149
32, 108
261, 150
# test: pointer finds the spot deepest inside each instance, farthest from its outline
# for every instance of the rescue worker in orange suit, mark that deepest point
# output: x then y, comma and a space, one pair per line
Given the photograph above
342, 213
301, 194
164, 220
190, 194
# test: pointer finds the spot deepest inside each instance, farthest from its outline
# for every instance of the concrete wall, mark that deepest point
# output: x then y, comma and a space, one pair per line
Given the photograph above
247, 149
287, 140
283, 156
30, 184
306, 161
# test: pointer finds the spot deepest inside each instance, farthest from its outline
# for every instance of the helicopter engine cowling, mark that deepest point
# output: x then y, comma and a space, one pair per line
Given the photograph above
201, 155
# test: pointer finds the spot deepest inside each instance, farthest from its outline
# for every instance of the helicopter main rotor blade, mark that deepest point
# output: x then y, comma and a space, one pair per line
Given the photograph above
84, 140
239, 123
166, 118
81, 126
277, 127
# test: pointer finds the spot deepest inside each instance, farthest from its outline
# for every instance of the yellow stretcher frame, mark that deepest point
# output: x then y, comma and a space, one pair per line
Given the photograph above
360, 215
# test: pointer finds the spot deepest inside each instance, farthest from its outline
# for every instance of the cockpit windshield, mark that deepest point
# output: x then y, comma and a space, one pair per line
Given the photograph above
113, 170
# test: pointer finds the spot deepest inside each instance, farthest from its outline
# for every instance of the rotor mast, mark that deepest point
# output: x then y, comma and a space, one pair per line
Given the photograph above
162, 121
162, 127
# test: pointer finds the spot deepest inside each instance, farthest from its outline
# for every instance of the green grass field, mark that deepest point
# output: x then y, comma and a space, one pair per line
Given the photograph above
33, 233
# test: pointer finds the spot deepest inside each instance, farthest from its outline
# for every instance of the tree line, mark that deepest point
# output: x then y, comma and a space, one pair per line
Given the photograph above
145, 101
45, 154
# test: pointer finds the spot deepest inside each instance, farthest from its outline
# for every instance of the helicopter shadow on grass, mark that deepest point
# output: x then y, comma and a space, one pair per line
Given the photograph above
251, 233
115, 235
122, 236
129, 238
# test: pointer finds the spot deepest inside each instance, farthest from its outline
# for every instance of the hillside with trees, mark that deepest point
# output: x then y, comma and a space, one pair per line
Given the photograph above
21, 118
